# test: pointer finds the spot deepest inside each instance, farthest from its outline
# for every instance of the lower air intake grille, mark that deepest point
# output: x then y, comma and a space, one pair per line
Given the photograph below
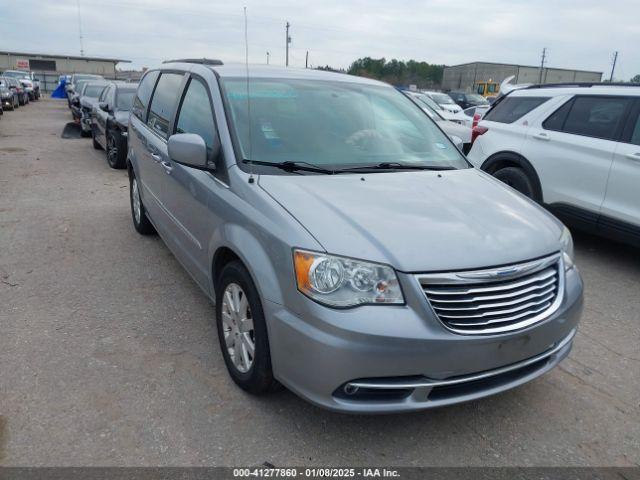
498, 299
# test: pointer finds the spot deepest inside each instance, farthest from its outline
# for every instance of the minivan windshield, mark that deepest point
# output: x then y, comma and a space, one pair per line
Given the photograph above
333, 125
93, 91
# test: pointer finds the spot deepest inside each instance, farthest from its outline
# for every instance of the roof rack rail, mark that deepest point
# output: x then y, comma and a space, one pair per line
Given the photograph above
201, 61
583, 85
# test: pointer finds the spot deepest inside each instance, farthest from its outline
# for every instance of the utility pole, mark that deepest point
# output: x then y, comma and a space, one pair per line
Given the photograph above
544, 57
288, 41
80, 30
306, 60
613, 68
268, 58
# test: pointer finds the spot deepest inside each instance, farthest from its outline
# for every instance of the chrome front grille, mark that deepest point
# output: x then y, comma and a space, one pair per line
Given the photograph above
498, 299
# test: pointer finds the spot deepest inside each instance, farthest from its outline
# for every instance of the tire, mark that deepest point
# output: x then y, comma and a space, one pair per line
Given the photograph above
116, 155
516, 178
251, 371
96, 145
138, 213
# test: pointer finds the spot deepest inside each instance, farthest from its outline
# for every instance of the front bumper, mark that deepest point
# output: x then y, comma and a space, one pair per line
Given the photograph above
384, 359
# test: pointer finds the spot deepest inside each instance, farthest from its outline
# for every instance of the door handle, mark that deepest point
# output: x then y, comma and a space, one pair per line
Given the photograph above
167, 167
156, 158
634, 156
541, 136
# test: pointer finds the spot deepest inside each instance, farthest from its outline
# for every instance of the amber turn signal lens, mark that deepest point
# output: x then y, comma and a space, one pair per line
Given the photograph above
302, 262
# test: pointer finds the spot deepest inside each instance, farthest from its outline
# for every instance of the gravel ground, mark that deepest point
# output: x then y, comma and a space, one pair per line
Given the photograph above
109, 356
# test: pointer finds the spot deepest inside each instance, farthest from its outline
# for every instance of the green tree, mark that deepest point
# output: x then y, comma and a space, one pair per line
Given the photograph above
635, 79
398, 72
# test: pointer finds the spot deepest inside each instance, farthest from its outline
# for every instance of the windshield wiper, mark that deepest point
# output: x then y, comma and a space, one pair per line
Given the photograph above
292, 166
394, 166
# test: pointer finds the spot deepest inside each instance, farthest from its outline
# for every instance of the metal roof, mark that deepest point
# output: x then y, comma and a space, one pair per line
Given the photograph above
518, 65
67, 57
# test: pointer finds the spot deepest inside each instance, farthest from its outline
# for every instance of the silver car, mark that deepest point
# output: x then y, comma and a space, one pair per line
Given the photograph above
352, 252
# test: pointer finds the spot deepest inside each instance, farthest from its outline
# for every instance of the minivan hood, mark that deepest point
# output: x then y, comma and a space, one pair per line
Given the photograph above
418, 221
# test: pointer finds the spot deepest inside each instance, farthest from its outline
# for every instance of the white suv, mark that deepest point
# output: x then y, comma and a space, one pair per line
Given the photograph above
573, 148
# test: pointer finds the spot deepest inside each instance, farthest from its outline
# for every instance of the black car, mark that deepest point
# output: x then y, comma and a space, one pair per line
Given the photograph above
110, 119
466, 100
83, 105
8, 97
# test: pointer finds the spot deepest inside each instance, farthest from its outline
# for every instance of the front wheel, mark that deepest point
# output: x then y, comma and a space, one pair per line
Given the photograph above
139, 214
242, 330
516, 178
115, 154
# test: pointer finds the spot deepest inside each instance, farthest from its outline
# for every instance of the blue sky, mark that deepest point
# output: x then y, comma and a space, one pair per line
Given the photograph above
578, 34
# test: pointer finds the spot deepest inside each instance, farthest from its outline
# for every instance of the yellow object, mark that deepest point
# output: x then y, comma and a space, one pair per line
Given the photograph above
487, 89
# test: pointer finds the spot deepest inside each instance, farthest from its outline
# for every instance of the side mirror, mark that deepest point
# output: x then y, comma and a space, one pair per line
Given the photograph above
189, 149
457, 141
103, 106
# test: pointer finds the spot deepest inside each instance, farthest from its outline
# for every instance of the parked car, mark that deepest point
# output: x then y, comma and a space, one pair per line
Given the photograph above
445, 101
574, 148
28, 82
352, 252
8, 97
453, 128
14, 85
88, 98
73, 86
466, 100
110, 121
474, 114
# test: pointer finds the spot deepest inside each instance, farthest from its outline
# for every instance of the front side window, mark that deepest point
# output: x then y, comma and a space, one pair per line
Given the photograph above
593, 116
333, 124
145, 89
124, 99
511, 109
196, 115
163, 102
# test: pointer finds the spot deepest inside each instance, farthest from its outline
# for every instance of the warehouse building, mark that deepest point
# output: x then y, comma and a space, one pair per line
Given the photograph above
50, 67
468, 76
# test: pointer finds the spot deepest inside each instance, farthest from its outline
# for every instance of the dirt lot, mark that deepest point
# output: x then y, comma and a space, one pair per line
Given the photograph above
109, 356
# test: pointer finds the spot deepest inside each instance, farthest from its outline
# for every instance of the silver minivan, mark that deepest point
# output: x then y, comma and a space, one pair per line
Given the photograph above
352, 252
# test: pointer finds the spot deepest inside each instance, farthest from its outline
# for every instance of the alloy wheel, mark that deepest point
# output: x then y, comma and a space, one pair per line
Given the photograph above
112, 150
237, 325
135, 199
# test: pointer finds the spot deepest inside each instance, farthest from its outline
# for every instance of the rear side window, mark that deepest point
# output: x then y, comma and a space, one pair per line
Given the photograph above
145, 89
196, 115
163, 102
596, 116
511, 109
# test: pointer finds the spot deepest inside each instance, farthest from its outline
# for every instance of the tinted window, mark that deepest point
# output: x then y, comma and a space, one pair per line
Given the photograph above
596, 116
512, 108
125, 99
104, 94
144, 94
556, 120
196, 115
163, 102
635, 135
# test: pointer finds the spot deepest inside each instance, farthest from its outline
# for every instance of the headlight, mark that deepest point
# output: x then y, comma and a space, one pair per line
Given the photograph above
345, 282
567, 249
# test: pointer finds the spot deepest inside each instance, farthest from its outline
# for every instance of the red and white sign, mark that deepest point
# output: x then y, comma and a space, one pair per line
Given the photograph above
22, 64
